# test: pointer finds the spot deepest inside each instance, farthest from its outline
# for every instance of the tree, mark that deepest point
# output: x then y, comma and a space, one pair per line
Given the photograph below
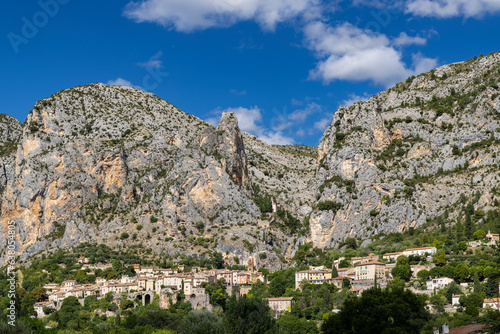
468, 221
491, 287
390, 311
248, 316
346, 283
478, 287
217, 260
335, 273
27, 303
437, 243
351, 243
473, 302
39, 293
439, 301
292, 324
402, 269
461, 272
439, 258
462, 245
344, 263
280, 281
200, 226
217, 293
200, 322
423, 275
259, 290
452, 289
69, 314
479, 235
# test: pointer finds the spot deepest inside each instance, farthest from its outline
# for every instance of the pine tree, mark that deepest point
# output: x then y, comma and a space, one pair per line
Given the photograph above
478, 288
460, 229
491, 288
468, 226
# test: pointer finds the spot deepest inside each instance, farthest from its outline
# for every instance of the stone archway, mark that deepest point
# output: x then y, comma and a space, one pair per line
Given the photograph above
147, 299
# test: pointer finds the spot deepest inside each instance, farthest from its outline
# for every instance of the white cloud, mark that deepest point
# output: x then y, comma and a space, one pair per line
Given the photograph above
276, 138
153, 62
350, 53
452, 8
300, 115
403, 39
322, 124
238, 93
249, 120
353, 98
191, 15
121, 82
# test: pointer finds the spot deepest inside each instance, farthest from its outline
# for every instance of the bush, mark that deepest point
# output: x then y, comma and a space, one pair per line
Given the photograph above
139, 227
200, 226
329, 205
124, 236
479, 234
262, 256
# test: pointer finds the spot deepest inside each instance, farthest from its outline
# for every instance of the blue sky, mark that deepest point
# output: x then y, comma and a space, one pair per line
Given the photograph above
283, 66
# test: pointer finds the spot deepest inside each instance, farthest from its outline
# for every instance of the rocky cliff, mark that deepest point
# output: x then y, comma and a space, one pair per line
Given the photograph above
10, 135
120, 166
410, 153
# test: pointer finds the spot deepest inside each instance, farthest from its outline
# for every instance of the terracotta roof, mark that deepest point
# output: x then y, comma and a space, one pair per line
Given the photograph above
410, 249
279, 299
466, 329
493, 300
368, 263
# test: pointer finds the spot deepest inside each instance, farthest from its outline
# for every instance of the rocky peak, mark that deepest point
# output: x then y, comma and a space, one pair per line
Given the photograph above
226, 142
10, 129
231, 145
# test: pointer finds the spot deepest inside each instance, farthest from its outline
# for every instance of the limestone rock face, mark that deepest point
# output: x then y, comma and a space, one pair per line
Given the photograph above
10, 135
410, 152
96, 161
227, 141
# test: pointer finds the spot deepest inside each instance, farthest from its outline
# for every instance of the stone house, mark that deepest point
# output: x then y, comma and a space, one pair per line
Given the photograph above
370, 270
280, 304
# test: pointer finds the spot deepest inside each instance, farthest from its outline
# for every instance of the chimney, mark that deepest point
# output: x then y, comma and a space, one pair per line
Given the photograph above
446, 329
435, 330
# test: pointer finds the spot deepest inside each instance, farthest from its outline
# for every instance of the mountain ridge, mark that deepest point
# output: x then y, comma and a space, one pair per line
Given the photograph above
95, 162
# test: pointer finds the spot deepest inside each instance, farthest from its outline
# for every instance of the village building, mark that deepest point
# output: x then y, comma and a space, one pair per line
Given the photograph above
420, 251
392, 257
38, 307
438, 283
280, 304
455, 299
312, 276
370, 270
493, 303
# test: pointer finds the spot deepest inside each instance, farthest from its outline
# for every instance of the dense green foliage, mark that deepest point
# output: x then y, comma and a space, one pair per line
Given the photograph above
388, 311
